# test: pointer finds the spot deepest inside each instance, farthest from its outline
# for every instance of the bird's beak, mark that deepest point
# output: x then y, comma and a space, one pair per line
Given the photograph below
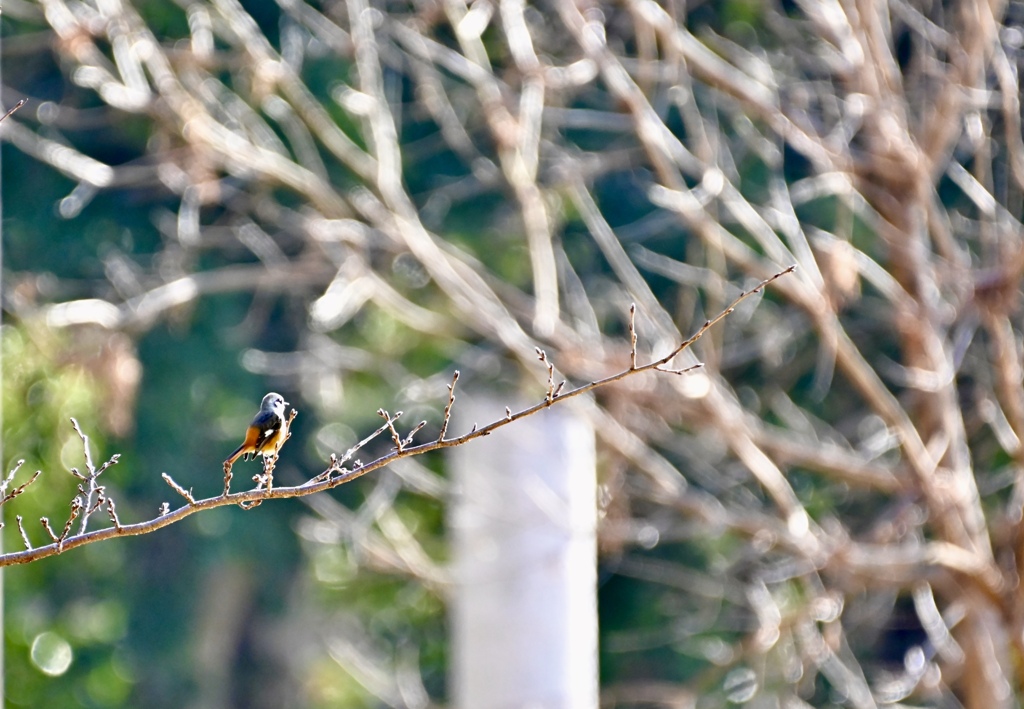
287, 404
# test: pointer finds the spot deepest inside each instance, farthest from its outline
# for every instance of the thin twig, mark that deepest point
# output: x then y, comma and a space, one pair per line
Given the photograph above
21, 488
187, 494
269, 463
85, 445
632, 335
113, 461
708, 324
684, 370
448, 406
416, 429
90, 478
390, 423
227, 478
10, 476
76, 508
49, 530
543, 357
338, 464
112, 513
288, 428
24, 536
101, 499
14, 108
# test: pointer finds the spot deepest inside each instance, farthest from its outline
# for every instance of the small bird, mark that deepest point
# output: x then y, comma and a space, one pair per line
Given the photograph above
267, 432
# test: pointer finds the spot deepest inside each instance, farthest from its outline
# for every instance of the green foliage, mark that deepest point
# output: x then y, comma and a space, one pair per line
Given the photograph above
45, 383
65, 628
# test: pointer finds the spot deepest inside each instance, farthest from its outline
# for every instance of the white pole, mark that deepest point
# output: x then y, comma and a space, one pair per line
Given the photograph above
524, 605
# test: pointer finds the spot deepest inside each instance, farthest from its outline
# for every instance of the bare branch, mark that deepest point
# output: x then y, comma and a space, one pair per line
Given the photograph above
227, 478
112, 513
390, 423
336, 475
187, 494
24, 537
448, 407
21, 488
543, 357
632, 335
85, 447
49, 530
14, 108
416, 429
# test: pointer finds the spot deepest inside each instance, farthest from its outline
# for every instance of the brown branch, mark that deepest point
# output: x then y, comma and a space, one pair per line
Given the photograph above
336, 475
416, 429
552, 390
112, 513
13, 108
267, 479
21, 488
24, 536
77, 505
76, 509
390, 424
187, 494
448, 406
338, 464
91, 489
85, 447
632, 335
49, 530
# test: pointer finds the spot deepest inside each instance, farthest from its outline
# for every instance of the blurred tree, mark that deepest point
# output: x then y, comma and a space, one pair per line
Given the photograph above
356, 196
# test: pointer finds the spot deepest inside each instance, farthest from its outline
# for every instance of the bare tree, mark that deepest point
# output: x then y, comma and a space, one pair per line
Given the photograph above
857, 438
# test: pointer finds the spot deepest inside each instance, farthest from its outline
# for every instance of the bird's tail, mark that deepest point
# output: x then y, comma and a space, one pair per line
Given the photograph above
234, 456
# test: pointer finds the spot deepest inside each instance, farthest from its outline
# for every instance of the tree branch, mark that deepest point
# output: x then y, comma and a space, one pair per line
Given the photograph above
336, 474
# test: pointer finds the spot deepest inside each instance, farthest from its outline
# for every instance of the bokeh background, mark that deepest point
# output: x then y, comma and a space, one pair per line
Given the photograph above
344, 201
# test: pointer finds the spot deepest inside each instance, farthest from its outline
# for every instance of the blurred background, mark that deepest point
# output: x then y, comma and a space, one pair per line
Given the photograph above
345, 201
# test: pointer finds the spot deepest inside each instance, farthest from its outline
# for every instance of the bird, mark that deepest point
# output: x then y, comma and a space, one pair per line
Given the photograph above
267, 432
